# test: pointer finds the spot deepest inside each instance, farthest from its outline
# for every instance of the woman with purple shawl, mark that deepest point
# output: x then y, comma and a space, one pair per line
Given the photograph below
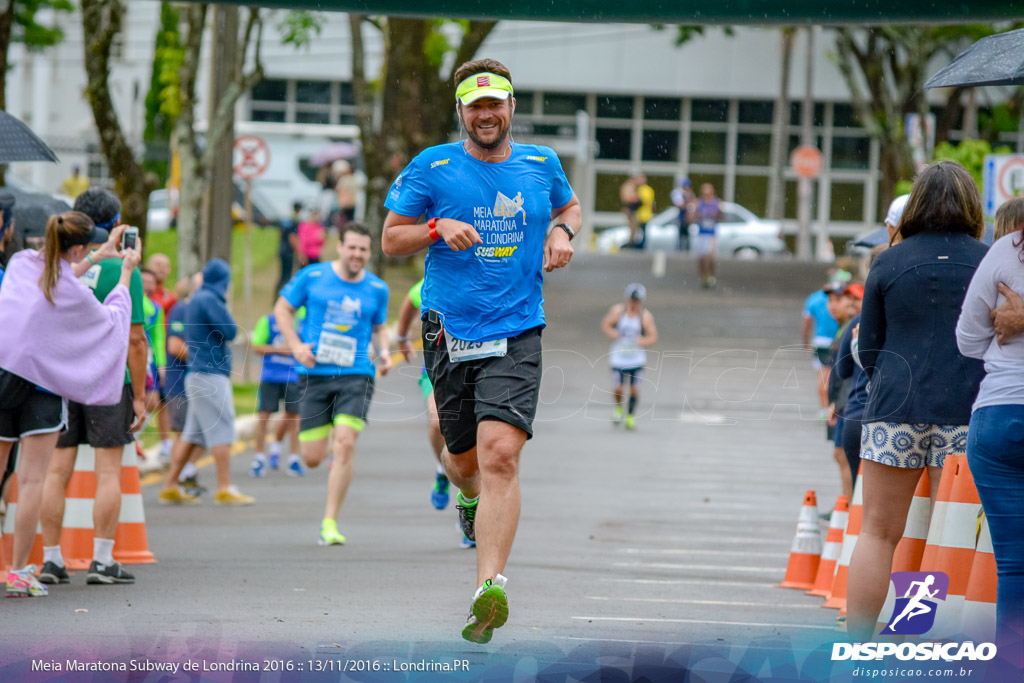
57, 341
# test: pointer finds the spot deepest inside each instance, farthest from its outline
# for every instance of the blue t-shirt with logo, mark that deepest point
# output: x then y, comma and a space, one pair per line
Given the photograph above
492, 290
707, 217
825, 326
277, 368
174, 371
340, 317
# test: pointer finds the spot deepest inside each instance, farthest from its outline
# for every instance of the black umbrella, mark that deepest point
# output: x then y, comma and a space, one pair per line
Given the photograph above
32, 210
994, 60
19, 143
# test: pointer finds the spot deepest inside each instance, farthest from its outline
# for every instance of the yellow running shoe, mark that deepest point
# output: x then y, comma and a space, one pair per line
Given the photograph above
630, 422
232, 496
329, 533
176, 496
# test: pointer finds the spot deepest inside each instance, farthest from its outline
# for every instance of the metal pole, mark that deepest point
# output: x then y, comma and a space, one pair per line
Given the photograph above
247, 277
803, 236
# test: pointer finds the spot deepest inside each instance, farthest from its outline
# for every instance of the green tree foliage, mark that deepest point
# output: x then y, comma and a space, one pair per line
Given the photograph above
161, 101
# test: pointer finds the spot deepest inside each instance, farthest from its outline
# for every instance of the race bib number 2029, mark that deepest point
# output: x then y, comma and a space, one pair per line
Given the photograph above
460, 350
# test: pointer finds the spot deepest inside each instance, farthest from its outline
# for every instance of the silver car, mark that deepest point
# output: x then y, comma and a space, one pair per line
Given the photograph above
741, 234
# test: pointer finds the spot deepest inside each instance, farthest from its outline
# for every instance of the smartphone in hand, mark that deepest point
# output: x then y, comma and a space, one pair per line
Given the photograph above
129, 238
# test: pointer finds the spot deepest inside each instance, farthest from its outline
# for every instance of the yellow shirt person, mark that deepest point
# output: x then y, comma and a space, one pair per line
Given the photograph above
75, 184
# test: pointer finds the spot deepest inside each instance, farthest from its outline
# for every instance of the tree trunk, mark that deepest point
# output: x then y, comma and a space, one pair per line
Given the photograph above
190, 197
780, 136
6, 24
101, 22
418, 101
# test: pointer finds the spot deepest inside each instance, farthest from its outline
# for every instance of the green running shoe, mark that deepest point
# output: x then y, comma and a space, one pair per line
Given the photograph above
467, 516
488, 612
630, 423
329, 533
617, 414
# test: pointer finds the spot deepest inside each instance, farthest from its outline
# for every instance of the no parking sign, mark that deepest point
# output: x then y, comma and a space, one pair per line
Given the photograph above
1003, 179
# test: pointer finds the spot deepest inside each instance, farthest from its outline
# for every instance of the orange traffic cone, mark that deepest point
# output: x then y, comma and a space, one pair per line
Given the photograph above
130, 543
836, 598
76, 539
979, 613
955, 554
937, 523
805, 554
833, 544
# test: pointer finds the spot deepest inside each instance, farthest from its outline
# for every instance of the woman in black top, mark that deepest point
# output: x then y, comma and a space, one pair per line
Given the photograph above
921, 386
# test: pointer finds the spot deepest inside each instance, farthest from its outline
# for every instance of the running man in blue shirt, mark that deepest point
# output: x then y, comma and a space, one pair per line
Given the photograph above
495, 216
346, 307
279, 382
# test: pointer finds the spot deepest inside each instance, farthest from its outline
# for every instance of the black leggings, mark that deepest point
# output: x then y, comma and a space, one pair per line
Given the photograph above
851, 444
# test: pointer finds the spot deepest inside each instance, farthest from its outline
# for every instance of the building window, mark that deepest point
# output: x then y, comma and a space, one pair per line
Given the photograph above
564, 105
707, 147
662, 108
847, 202
524, 102
660, 145
754, 149
321, 116
717, 181
313, 92
756, 111
613, 143
851, 153
710, 110
794, 114
614, 107
845, 116
267, 115
347, 94
270, 90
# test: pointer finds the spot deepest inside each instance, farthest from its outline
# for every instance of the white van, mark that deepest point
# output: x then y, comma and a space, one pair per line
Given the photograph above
290, 178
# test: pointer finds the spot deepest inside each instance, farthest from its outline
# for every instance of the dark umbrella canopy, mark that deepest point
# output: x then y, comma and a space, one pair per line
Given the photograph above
994, 60
32, 210
19, 143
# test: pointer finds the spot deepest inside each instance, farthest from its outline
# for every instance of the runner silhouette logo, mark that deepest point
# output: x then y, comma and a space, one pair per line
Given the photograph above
915, 611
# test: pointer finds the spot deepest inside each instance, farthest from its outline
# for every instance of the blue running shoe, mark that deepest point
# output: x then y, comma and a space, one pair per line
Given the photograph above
275, 461
295, 469
439, 496
258, 468
466, 543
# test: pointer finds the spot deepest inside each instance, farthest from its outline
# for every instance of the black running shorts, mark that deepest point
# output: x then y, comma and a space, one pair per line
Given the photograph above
325, 398
40, 413
272, 393
100, 426
503, 388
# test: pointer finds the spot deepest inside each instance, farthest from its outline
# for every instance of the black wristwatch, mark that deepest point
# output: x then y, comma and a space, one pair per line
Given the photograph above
569, 231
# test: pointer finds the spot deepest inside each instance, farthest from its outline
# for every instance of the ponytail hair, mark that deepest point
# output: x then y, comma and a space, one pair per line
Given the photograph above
63, 231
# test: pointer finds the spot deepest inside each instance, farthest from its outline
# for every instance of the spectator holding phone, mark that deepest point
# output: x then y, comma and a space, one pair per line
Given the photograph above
57, 341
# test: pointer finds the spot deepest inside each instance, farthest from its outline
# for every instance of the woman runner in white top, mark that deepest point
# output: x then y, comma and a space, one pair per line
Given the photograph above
631, 328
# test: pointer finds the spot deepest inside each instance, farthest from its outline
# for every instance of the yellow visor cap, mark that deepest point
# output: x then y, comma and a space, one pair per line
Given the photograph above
483, 85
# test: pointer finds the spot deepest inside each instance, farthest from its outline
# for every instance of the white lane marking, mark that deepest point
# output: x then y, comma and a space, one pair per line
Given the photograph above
684, 551
706, 621
758, 648
715, 567
720, 603
690, 582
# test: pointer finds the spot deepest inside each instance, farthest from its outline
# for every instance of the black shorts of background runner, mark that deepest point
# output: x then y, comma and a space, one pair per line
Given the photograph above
271, 394
326, 397
100, 426
39, 413
623, 374
503, 388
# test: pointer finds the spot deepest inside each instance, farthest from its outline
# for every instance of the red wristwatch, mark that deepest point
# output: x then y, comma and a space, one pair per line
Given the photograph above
432, 224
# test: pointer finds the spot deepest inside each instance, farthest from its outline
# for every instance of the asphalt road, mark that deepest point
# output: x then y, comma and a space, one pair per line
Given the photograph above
668, 539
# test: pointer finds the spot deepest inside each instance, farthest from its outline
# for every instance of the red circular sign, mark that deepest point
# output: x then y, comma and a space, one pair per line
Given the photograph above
252, 157
806, 161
